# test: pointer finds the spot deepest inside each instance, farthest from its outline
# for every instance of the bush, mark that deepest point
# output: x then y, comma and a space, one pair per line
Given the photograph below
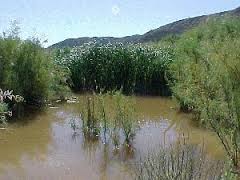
29, 70
8, 48
31, 73
206, 79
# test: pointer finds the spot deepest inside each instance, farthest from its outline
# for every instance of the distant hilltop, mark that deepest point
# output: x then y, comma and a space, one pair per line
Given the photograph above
175, 28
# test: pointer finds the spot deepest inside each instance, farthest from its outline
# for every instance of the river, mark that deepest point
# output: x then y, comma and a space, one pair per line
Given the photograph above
43, 146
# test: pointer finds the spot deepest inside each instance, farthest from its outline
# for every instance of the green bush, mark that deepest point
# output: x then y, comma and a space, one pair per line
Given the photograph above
125, 116
207, 79
31, 73
29, 70
8, 48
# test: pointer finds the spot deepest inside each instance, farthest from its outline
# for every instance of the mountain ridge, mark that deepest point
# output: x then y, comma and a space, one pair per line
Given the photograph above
174, 28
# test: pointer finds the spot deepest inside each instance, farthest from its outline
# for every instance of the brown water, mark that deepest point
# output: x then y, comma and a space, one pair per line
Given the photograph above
43, 146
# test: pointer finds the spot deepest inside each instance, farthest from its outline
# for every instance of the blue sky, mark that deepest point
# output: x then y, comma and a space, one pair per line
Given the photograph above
56, 20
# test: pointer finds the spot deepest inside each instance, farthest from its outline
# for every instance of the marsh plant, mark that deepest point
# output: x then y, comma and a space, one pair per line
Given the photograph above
125, 116
103, 114
91, 123
109, 115
7, 97
75, 125
182, 162
132, 68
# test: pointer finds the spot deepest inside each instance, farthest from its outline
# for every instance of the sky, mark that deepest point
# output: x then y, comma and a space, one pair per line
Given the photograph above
56, 20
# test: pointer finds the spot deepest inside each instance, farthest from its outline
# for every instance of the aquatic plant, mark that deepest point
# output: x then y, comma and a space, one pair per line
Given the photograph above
117, 122
75, 125
181, 161
7, 97
132, 68
125, 116
91, 124
103, 115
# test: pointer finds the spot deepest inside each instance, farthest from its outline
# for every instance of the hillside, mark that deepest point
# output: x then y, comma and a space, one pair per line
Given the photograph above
175, 28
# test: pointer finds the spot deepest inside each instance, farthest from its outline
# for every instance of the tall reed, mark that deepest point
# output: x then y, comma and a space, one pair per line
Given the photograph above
132, 68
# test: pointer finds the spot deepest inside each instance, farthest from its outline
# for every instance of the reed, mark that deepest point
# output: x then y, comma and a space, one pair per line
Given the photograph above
183, 162
125, 116
132, 68
91, 123
118, 123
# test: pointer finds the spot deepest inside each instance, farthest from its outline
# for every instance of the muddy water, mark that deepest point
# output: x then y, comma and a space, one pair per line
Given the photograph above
43, 146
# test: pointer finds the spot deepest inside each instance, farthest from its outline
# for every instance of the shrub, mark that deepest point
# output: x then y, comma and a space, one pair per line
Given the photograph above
30, 73
29, 69
206, 79
8, 49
